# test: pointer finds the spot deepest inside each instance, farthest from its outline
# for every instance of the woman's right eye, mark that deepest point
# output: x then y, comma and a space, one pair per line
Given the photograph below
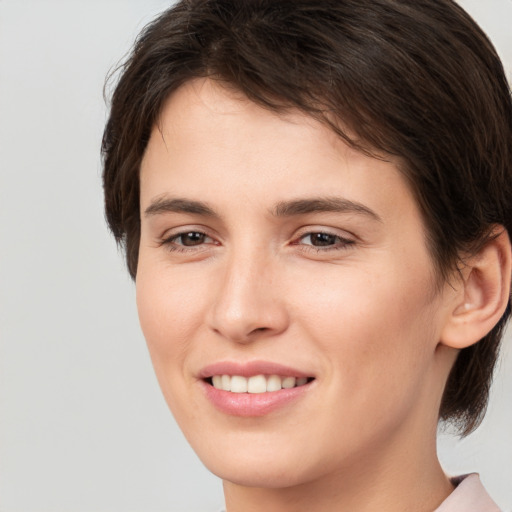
187, 240
190, 238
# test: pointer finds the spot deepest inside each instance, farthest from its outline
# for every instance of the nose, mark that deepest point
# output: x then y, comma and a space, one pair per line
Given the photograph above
249, 302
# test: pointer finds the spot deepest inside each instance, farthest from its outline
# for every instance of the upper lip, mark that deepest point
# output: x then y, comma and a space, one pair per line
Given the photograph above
249, 369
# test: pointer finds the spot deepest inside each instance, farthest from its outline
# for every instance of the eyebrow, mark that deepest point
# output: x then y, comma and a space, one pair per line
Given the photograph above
176, 205
282, 209
322, 204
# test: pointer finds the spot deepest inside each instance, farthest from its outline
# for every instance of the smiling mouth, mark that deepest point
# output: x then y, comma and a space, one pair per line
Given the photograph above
256, 384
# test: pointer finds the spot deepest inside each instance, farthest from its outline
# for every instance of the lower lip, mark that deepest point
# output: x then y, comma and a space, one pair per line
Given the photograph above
252, 404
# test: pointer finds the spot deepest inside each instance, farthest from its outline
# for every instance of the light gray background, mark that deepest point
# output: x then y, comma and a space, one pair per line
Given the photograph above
83, 427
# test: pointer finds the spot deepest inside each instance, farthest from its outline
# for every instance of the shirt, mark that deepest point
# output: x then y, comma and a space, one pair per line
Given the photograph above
468, 496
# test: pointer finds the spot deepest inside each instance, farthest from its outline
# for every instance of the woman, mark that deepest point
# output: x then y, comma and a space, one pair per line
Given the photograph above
315, 202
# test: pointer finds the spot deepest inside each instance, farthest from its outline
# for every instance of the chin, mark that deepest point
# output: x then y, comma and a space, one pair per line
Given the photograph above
263, 460
269, 474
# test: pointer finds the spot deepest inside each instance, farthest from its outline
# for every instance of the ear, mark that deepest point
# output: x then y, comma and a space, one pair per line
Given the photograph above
482, 294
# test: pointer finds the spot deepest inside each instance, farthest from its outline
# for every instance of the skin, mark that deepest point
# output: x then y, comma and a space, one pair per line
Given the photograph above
362, 314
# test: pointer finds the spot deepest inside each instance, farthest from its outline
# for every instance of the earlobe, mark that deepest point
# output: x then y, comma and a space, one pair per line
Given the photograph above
483, 293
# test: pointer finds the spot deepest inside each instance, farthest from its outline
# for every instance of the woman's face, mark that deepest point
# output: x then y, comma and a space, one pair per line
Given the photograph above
271, 250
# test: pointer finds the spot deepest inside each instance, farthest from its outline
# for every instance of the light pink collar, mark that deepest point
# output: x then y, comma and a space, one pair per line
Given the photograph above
468, 496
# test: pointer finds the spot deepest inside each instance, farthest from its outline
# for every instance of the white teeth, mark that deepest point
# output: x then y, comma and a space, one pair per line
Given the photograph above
226, 383
217, 381
256, 384
238, 384
288, 382
274, 383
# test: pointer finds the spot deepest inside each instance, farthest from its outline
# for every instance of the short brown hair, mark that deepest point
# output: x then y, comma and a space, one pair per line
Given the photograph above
417, 79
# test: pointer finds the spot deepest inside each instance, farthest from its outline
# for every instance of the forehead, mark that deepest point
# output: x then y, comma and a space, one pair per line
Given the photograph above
209, 116
202, 104
213, 141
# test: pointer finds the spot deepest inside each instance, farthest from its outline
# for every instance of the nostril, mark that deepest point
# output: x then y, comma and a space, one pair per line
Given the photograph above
259, 329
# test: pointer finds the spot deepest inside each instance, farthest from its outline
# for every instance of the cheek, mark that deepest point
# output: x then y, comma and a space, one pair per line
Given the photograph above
377, 331
169, 308
169, 314
169, 303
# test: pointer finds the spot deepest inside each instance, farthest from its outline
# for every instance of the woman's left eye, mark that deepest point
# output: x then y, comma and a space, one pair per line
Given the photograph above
321, 240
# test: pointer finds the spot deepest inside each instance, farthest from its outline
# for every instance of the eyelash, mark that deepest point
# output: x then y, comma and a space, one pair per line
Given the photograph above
340, 243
